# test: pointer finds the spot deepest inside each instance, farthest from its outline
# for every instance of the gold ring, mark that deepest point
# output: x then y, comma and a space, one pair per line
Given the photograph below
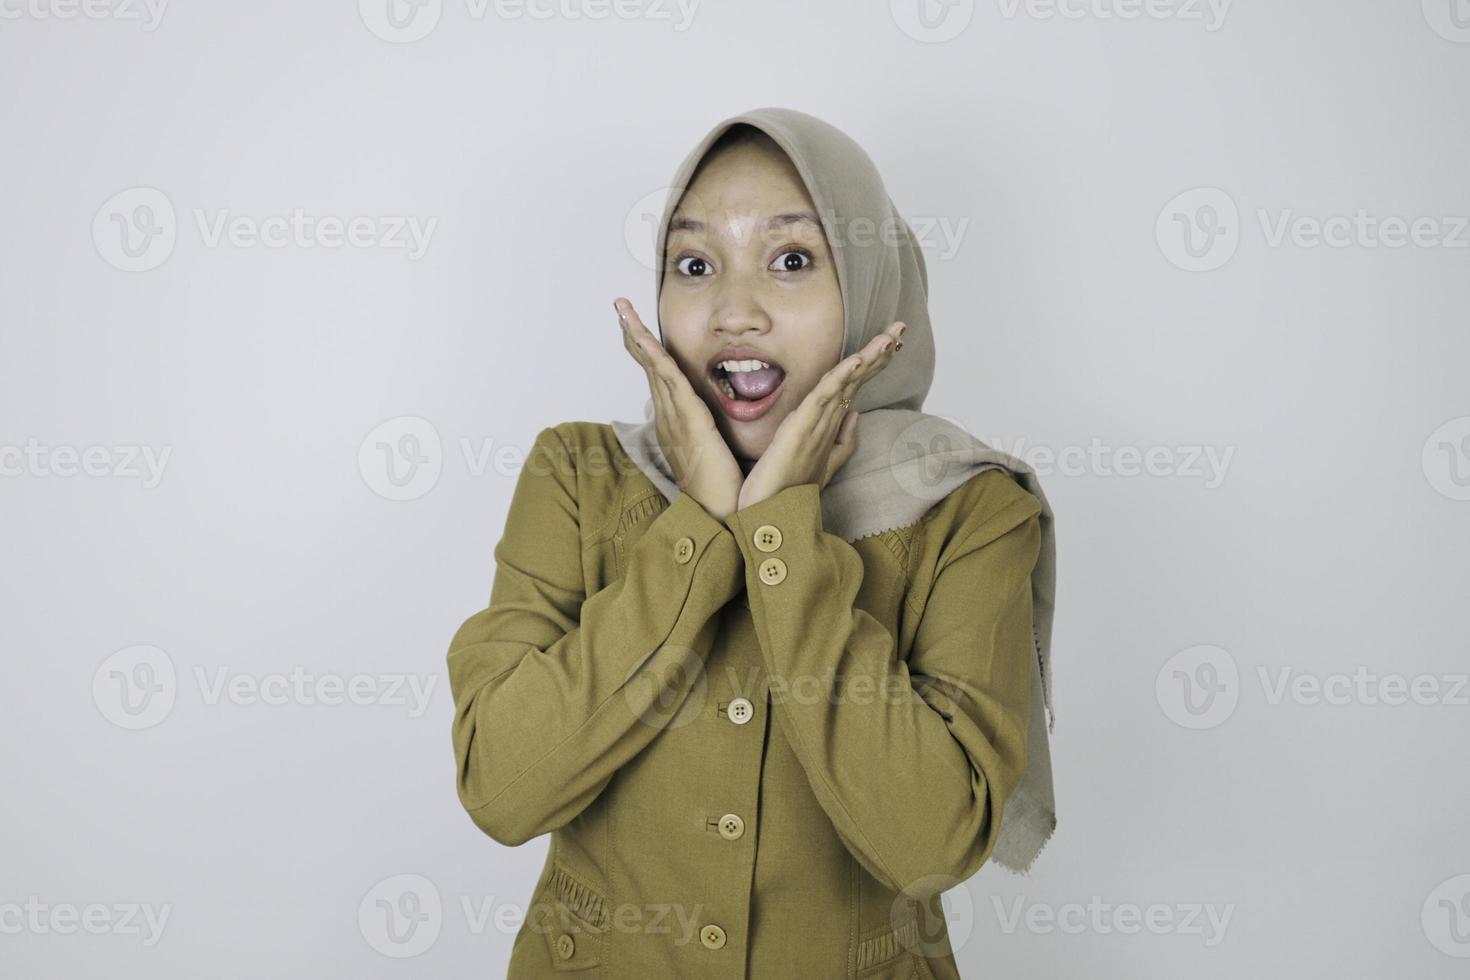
846, 402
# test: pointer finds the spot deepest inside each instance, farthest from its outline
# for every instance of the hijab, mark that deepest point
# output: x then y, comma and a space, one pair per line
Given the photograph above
906, 460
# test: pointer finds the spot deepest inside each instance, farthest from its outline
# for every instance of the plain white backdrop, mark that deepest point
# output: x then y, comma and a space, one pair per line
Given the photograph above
287, 290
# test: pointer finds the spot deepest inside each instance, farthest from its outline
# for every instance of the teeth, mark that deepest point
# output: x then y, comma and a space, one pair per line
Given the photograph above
729, 392
737, 366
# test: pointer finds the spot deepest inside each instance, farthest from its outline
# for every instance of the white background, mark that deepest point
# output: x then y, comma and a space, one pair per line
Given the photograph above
1072, 145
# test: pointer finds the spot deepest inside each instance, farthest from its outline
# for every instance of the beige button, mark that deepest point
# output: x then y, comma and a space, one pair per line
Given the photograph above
683, 550
773, 571
712, 936
565, 947
767, 537
731, 826
740, 711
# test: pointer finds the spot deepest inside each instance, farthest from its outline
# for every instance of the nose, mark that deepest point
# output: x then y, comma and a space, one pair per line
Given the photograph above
737, 309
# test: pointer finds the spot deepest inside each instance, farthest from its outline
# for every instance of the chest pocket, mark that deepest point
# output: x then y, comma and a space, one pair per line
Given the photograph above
572, 919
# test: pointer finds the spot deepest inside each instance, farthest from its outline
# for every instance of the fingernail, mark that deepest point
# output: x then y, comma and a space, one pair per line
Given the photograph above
886, 346
903, 328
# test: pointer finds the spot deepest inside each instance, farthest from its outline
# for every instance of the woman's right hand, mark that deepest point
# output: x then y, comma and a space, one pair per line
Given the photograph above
698, 455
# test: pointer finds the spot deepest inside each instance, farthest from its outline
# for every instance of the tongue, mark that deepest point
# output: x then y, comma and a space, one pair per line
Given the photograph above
754, 385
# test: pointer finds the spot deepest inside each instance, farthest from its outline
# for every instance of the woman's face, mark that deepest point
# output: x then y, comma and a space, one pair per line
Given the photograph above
747, 266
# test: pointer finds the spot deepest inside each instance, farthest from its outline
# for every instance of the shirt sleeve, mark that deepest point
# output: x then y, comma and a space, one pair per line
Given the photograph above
913, 760
554, 690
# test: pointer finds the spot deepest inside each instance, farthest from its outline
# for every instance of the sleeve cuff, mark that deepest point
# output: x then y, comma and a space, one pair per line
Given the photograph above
698, 549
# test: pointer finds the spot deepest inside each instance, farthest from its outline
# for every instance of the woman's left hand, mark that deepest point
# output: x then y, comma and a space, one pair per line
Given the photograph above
814, 442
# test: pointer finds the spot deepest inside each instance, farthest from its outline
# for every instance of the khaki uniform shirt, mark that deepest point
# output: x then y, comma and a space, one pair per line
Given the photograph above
761, 751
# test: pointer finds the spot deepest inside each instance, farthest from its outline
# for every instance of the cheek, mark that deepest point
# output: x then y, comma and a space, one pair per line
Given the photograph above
680, 322
821, 335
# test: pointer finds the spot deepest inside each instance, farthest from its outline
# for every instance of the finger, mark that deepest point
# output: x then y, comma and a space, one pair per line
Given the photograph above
663, 409
876, 355
850, 375
826, 403
660, 361
873, 358
677, 384
630, 344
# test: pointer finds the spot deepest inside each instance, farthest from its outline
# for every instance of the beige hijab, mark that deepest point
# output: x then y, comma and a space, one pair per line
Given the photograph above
906, 460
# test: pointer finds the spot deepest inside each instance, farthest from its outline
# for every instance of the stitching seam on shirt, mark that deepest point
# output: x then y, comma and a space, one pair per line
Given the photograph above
879, 949
581, 898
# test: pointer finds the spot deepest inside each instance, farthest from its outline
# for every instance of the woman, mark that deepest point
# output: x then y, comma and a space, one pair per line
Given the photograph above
769, 667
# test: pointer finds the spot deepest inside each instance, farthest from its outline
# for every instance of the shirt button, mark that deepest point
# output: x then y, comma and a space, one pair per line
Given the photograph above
767, 537
712, 936
683, 550
739, 711
565, 947
731, 826
773, 571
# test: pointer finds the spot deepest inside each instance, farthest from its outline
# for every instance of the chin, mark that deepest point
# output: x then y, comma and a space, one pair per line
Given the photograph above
745, 439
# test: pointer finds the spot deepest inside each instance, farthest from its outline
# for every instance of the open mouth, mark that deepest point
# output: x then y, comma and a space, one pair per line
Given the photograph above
747, 387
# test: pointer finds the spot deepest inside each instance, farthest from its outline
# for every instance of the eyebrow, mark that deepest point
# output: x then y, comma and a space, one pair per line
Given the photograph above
772, 223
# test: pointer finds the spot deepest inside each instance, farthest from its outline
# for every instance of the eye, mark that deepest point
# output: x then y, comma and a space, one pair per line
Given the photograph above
698, 267
793, 259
